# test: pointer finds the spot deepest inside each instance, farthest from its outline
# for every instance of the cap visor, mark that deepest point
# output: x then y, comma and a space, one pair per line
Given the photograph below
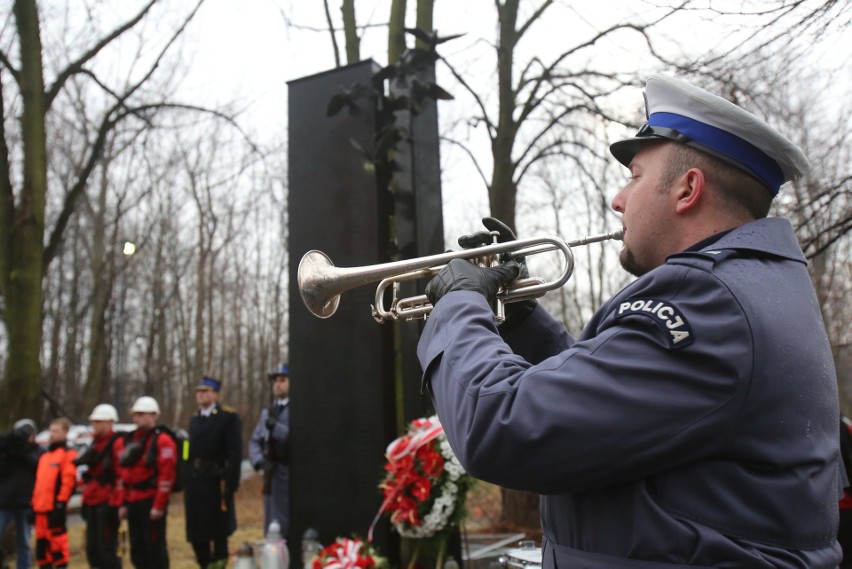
625, 150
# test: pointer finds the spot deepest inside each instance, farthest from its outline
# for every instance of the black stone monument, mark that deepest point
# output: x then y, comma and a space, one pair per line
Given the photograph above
344, 388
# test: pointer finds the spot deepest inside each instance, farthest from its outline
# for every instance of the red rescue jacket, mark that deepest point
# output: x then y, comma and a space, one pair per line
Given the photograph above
56, 477
100, 480
144, 478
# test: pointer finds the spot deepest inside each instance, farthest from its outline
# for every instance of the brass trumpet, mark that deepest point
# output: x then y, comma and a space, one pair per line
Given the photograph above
321, 283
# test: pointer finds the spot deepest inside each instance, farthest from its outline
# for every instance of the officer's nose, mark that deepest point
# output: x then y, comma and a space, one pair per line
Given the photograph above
619, 200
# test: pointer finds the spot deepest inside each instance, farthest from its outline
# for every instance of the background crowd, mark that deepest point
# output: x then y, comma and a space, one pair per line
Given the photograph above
132, 474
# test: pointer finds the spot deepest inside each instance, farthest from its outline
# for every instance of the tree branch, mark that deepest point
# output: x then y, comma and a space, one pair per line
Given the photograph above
7, 198
331, 31
106, 126
4, 59
161, 55
532, 19
470, 155
77, 66
479, 103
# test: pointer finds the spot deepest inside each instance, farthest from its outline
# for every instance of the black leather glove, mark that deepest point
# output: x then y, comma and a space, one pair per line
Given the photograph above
486, 237
516, 312
264, 465
459, 274
270, 423
57, 517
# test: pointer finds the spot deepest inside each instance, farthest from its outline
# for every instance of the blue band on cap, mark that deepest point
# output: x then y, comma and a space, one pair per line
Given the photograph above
731, 145
213, 384
283, 369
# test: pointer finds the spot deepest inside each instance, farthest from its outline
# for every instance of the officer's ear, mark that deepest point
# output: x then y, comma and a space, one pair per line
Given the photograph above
689, 190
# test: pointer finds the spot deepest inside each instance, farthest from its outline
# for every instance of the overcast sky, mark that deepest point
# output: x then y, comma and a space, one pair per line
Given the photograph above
249, 49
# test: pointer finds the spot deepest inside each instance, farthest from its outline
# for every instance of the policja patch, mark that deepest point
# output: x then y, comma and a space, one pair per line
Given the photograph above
664, 315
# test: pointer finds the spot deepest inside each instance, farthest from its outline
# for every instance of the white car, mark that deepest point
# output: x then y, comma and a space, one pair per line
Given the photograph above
80, 436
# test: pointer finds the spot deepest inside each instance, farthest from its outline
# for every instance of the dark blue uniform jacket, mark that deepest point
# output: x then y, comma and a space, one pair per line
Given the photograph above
692, 423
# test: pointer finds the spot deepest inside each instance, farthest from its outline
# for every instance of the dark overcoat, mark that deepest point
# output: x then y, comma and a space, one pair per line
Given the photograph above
18, 462
212, 474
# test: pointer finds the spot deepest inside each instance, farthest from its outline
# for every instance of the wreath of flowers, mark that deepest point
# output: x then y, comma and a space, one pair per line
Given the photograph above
425, 485
347, 553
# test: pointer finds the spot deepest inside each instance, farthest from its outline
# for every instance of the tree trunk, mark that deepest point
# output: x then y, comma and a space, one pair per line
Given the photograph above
96, 388
350, 32
200, 303
396, 31
332, 32
22, 278
503, 190
425, 11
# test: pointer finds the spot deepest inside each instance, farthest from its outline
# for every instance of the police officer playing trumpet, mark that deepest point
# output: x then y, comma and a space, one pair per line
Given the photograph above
693, 422
213, 475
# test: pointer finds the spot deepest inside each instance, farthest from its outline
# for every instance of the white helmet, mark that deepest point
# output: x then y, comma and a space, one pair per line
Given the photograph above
146, 404
104, 412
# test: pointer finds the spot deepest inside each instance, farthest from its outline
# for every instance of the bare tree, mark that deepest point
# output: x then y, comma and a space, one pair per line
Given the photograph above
26, 247
396, 26
539, 100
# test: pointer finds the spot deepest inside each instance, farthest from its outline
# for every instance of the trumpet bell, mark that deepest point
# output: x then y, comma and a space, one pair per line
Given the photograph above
316, 264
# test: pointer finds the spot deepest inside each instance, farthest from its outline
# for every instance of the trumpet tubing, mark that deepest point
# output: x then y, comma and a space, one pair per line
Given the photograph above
321, 283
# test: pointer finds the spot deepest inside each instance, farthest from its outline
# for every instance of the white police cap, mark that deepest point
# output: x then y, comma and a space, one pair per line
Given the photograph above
682, 112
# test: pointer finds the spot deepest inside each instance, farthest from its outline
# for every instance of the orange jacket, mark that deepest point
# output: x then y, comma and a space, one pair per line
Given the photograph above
56, 477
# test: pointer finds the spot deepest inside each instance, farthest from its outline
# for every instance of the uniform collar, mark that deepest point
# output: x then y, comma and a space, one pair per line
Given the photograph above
769, 236
212, 410
704, 243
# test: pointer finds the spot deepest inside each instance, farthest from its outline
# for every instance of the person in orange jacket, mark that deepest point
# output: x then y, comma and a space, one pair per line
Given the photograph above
101, 492
56, 477
148, 461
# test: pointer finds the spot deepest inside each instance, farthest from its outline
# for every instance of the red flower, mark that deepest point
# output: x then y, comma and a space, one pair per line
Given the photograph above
415, 474
345, 554
404, 510
431, 460
421, 489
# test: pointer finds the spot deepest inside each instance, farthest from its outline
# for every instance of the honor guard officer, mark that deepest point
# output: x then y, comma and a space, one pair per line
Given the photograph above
693, 423
101, 497
269, 451
148, 462
213, 475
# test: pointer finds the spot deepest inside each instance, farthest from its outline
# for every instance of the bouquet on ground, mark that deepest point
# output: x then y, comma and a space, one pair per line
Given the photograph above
425, 486
347, 553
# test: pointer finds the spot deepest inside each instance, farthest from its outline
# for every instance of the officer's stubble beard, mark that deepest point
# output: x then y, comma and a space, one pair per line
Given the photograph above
628, 262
